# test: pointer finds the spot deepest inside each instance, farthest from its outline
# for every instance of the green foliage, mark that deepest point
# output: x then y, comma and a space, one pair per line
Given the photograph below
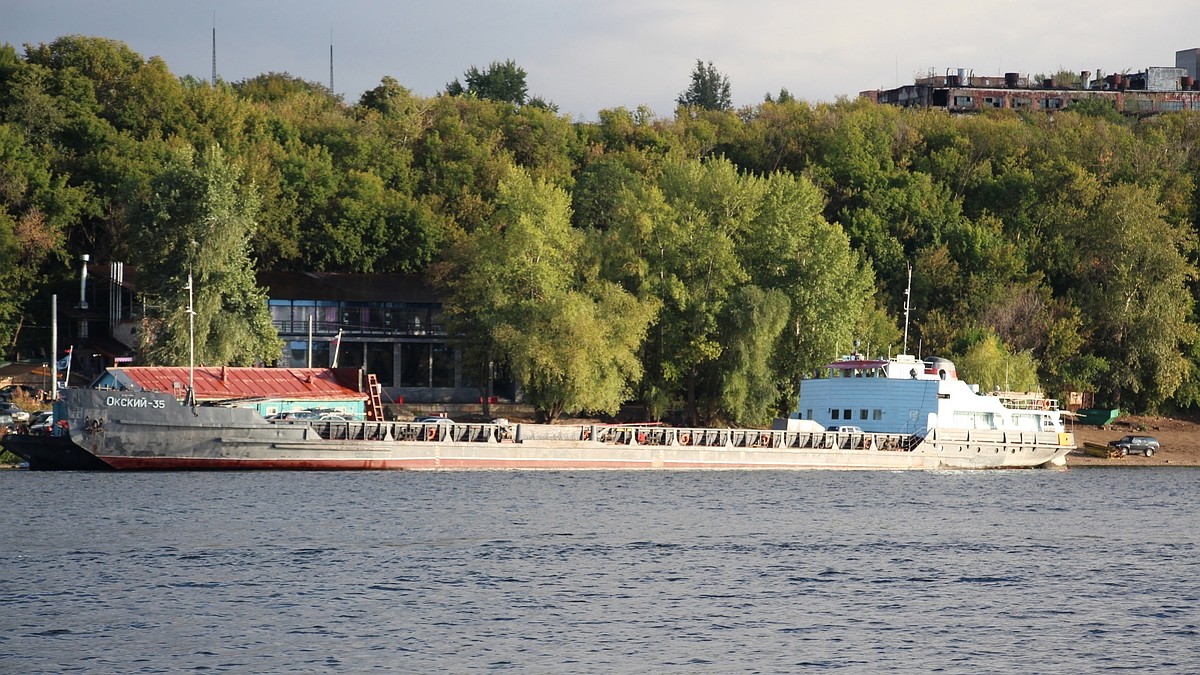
502, 81
709, 89
751, 326
1068, 237
277, 87
388, 98
989, 364
1132, 277
1103, 108
198, 223
35, 208
516, 286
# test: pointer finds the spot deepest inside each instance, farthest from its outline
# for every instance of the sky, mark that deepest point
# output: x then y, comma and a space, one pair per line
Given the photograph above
590, 56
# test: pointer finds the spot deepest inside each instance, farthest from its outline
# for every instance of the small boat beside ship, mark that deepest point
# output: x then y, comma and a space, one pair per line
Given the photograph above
902, 413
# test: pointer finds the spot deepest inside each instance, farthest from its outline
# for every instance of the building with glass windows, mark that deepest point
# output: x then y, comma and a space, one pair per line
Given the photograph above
391, 324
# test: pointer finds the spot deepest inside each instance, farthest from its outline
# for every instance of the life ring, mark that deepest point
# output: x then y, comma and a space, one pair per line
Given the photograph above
431, 433
685, 439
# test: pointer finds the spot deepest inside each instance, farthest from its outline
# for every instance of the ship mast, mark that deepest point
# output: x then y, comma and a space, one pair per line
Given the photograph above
907, 293
191, 390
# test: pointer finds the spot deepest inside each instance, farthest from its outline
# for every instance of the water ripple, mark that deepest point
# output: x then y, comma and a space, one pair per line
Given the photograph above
688, 572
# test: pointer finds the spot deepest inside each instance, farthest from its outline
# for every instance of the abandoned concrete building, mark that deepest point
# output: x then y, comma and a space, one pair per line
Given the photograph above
1153, 90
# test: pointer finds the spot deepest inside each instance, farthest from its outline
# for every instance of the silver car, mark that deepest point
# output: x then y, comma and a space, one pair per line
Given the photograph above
14, 411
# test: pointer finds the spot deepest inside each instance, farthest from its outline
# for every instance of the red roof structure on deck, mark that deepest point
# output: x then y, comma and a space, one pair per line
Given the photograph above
214, 384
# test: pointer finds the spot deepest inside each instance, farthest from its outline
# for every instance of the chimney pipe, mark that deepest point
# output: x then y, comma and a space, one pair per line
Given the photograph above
83, 282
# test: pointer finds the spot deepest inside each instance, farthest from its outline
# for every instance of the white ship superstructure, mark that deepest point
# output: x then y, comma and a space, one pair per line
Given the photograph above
907, 395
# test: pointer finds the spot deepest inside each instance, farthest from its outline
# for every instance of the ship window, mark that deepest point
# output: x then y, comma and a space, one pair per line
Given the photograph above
808, 414
846, 414
877, 414
862, 414
834, 414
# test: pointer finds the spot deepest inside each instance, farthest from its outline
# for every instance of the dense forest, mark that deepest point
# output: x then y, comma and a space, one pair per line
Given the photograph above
703, 262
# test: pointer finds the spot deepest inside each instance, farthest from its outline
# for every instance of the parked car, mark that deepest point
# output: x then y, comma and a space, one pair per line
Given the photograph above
14, 390
434, 419
41, 422
14, 411
1144, 445
845, 429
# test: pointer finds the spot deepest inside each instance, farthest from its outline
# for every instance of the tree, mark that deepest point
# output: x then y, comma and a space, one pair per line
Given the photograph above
278, 86
1131, 284
990, 365
751, 327
198, 223
790, 247
503, 82
515, 290
387, 98
709, 89
1098, 106
36, 207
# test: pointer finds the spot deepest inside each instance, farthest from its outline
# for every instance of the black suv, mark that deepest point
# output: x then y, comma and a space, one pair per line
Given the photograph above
1146, 445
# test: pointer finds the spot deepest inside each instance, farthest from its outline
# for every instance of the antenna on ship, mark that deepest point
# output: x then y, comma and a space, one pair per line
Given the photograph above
191, 390
907, 293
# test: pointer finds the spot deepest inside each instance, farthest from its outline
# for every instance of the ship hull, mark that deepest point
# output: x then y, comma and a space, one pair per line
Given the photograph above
146, 432
52, 453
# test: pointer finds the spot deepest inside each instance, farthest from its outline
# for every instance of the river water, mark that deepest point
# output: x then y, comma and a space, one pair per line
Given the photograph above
1069, 571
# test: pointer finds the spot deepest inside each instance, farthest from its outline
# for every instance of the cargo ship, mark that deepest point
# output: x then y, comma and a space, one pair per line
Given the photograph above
900, 413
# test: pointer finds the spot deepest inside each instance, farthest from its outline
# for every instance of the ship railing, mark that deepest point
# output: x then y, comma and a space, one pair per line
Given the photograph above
744, 438
633, 435
1026, 401
995, 437
456, 432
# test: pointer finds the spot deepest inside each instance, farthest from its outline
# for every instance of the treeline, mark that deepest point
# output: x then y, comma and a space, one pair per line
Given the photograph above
704, 262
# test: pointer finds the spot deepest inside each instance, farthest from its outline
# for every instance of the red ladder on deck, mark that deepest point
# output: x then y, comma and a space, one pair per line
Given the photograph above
375, 411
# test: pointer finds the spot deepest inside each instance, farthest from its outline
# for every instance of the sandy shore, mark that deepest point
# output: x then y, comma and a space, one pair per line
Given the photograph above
1180, 441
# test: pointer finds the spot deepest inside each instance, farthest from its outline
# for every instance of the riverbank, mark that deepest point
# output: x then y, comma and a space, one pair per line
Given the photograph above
1180, 440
